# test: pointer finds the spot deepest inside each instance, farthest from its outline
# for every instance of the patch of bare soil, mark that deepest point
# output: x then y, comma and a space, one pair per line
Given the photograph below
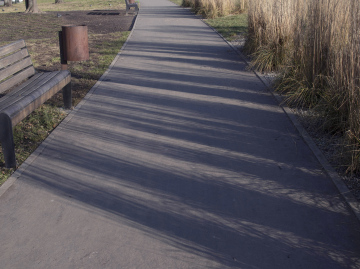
97, 21
15, 26
40, 31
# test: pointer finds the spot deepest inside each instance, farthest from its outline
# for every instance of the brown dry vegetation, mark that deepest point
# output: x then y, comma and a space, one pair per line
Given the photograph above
316, 46
216, 8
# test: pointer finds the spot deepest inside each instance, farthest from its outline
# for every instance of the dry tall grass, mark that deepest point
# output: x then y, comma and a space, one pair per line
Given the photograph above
317, 46
271, 24
216, 8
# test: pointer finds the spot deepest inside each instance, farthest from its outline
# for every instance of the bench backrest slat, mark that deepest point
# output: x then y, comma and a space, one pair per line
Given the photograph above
12, 47
15, 65
17, 56
7, 84
13, 69
19, 91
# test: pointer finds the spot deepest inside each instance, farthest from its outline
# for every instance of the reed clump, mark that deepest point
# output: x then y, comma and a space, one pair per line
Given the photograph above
316, 46
270, 32
216, 8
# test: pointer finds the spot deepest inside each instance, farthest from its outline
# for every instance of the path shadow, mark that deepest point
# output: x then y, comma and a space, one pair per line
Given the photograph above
183, 144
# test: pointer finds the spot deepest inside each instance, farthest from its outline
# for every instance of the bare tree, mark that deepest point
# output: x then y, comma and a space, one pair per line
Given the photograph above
59, 1
8, 3
31, 6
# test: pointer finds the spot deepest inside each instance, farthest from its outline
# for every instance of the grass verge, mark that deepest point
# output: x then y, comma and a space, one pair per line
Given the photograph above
40, 33
30, 132
178, 2
230, 27
216, 8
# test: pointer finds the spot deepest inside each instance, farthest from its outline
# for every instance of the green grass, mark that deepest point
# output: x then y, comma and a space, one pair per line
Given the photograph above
230, 26
178, 2
30, 132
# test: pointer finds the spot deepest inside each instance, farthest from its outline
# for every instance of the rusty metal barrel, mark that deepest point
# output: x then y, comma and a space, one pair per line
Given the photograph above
75, 42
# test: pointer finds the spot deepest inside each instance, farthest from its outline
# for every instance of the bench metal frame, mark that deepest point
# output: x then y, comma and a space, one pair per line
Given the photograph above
128, 6
24, 97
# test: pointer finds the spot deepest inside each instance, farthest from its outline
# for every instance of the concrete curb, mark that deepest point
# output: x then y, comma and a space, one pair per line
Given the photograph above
22, 168
339, 183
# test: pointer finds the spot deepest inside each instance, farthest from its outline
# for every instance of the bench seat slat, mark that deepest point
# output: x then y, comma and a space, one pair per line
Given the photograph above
24, 106
31, 82
12, 47
10, 70
23, 90
19, 77
34, 82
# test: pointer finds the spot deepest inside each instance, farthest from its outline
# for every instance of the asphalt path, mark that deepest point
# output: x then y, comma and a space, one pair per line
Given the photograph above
178, 158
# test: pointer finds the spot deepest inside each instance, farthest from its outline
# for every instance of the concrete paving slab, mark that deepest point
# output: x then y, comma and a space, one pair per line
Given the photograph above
179, 158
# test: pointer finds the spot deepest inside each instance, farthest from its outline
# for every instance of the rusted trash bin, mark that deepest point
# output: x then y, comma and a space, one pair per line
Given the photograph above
74, 44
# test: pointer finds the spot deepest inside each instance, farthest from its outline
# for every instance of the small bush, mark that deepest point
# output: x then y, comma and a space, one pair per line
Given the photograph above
216, 8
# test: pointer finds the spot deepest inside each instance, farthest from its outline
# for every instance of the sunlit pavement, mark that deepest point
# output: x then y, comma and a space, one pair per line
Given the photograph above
179, 158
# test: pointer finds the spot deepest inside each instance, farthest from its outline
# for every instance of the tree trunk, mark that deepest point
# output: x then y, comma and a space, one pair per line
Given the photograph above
31, 6
59, 1
8, 3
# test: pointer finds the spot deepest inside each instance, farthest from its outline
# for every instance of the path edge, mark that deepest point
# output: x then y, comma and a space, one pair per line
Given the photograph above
349, 198
22, 168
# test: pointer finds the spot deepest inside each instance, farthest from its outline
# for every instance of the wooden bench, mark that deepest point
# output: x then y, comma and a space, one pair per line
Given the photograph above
128, 6
25, 90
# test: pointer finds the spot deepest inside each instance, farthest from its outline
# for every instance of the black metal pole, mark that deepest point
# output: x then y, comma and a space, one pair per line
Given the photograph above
64, 65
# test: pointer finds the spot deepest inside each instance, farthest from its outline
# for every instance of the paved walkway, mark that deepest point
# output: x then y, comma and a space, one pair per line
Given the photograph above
179, 158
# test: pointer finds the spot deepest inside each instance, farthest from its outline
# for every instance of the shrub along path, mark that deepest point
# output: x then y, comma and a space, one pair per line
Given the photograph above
179, 158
